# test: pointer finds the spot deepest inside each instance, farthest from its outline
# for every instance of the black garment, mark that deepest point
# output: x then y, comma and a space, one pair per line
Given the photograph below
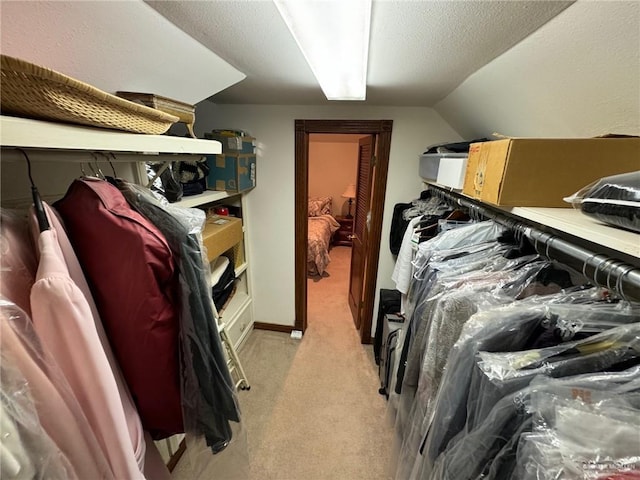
193, 188
398, 227
489, 390
221, 291
456, 147
389, 303
489, 450
209, 402
502, 330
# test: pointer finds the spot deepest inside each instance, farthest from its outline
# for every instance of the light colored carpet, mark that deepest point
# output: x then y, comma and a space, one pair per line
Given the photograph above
313, 411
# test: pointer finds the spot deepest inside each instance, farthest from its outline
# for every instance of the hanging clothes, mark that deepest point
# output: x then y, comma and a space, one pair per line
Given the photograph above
511, 329
473, 293
131, 270
134, 424
58, 410
64, 323
26, 451
209, 399
490, 450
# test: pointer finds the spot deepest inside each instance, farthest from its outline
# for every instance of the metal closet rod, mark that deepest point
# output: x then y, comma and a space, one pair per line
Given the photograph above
599, 268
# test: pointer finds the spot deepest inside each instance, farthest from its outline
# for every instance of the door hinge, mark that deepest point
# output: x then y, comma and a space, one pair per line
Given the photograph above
374, 160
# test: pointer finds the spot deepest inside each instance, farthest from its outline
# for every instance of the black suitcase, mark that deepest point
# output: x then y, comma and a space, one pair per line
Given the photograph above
391, 334
389, 303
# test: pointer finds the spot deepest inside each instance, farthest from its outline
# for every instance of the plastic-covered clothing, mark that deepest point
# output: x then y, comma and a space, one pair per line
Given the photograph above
489, 450
57, 408
208, 392
586, 430
450, 310
26, 451
18, 262
614, 200
505, 329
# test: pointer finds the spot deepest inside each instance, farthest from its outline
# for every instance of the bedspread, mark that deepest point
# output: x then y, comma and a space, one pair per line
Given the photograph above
321, 228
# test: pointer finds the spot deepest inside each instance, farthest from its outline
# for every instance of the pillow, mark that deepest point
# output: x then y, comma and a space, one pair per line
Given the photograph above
319, 206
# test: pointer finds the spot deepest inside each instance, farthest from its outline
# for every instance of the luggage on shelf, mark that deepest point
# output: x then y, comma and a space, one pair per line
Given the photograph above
392, 329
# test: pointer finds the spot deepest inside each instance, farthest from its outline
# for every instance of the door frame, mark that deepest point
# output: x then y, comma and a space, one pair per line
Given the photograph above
382, 130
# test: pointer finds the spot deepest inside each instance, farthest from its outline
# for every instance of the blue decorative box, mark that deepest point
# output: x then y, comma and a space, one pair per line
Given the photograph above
232, 172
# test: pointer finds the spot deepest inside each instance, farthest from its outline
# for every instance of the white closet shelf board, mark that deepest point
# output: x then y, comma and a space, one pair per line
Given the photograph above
203, 198
28, 133
580, 225
240, 269
572, 222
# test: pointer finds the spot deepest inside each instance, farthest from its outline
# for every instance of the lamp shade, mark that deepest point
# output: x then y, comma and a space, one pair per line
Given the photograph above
350, 191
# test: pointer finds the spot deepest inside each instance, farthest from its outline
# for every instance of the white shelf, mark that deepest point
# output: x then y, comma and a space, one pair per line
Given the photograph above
241, 269
28, 133
203, 198
573, 222
576, 223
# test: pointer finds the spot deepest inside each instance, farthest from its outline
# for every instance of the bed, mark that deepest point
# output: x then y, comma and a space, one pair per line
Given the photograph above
321, 227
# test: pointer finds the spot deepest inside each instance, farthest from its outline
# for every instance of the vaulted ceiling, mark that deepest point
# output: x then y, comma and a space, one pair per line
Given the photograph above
420, 51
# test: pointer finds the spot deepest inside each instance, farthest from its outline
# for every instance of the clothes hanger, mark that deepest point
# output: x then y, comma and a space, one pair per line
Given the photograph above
97, 172
108, 158
41, 215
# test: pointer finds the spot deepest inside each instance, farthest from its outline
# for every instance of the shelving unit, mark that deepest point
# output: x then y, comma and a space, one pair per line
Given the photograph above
59, 145
28, 133
573, 222
58, 142
209, 196
237, 314
606, 255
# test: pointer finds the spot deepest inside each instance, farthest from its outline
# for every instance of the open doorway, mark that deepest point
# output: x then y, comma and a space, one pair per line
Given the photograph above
363, 268
332, 185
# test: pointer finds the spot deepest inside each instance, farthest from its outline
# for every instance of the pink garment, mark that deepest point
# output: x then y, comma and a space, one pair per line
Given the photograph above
58, 411
18, 262
77, 275
63, 320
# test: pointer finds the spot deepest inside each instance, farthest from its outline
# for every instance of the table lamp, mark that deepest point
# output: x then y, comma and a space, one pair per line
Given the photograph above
350, 193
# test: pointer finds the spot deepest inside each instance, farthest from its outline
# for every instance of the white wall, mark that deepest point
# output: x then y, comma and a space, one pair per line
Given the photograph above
332, 167
271, 204
577, 76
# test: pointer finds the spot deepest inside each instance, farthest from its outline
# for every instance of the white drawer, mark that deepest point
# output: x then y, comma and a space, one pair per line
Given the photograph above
240, 325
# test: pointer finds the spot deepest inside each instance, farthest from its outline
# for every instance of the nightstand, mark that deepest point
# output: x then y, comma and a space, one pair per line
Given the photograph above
342, 236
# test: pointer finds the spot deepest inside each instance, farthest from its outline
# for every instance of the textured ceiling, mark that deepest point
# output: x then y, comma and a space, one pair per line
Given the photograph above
113, 46
420, 50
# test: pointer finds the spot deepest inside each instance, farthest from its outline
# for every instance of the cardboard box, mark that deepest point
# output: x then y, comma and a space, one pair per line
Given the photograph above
233, 143
233, 172
451, 172
541, 172
221, 233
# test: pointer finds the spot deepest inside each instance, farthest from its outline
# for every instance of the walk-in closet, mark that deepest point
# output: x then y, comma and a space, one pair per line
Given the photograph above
320, 239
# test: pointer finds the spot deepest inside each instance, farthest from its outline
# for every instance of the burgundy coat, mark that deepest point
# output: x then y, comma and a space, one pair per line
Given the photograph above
132, 275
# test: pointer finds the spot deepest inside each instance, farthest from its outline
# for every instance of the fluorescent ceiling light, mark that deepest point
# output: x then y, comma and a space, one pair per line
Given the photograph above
333, 36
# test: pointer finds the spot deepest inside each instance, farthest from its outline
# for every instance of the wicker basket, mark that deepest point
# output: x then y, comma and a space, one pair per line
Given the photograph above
32, 91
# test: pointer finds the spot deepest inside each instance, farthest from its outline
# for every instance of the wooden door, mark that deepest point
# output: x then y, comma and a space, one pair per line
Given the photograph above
360, 229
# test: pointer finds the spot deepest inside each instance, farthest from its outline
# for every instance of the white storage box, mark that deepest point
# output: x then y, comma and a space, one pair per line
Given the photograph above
429, 163
451, 172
